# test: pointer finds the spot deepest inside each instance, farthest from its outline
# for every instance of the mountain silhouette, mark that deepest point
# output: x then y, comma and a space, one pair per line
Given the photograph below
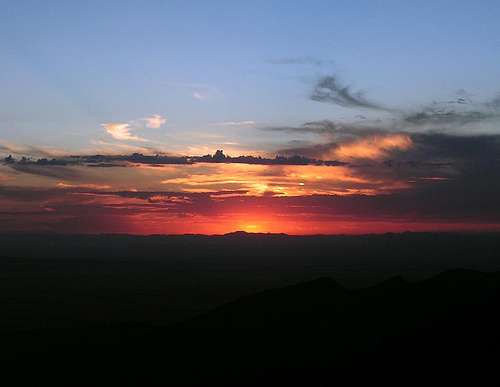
241, 233
301, 334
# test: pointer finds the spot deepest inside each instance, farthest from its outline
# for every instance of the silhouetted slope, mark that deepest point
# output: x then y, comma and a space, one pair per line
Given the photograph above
301, 334
54, 281
355, 320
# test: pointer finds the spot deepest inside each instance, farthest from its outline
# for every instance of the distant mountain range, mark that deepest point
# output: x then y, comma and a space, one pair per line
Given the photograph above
243, 234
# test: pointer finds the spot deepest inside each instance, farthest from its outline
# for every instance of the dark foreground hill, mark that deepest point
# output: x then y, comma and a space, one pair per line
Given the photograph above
55, 281
313, 333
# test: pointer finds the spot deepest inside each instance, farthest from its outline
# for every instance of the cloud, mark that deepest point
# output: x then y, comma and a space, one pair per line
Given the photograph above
4, 177
454, 114
307, 149
209, 212
155, 121
112, 148
87, 186
374, 147
199, 96
459, 115
494, 103
301, 60
362, 147
444, 114
121, 131
440, 177
40, 151
236, 123
50, 171
329, 89
160, 159
329, 128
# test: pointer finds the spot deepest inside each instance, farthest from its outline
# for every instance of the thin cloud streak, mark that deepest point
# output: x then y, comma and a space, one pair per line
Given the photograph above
330, 90
302, 60
235, 123
448, 115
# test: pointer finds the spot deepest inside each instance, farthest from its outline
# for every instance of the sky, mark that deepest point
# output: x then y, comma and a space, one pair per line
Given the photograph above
333, 117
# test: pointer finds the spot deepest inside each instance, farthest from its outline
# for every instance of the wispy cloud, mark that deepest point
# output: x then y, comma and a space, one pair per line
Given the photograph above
199, 96
438, 115
327, 128
448, 113
112, 148
329, 89
155, 121
25, 150
121, 131
51, 170
494, 103
235, 123
301, 60
65, 185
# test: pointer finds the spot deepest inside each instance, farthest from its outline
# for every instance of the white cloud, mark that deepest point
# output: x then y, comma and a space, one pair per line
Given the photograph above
199, 96
121, 131
124, 130
155, 121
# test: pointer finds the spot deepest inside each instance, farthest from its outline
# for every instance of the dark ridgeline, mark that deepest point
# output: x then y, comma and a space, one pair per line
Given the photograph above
99, 318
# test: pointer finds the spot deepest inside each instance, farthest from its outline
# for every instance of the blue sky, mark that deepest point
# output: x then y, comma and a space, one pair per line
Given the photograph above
393, 106
69, 67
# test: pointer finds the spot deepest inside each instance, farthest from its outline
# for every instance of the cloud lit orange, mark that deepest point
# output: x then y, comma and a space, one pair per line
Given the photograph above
373, 147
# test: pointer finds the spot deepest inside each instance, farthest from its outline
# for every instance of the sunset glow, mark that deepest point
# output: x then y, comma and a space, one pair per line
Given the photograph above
375, 147
198, 193
168, 130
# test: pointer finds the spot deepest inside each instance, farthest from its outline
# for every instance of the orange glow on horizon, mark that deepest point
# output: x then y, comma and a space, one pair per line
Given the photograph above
298, 225
219, 198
